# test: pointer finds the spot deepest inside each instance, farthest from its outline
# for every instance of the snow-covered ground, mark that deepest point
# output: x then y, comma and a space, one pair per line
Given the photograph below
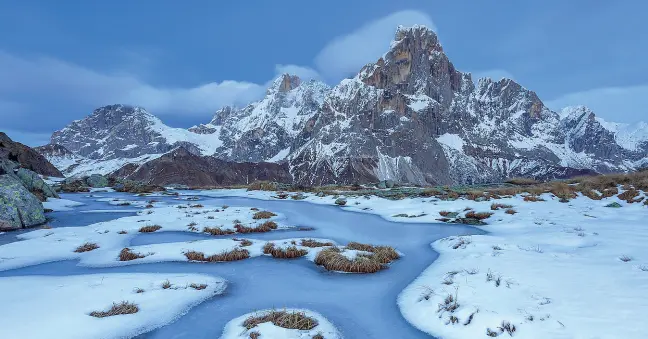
553, 270
235, 329
60, 204
59, 307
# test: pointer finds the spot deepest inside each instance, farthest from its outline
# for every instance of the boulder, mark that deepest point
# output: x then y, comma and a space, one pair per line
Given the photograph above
97, 181
35, 184
18, 207
73, 185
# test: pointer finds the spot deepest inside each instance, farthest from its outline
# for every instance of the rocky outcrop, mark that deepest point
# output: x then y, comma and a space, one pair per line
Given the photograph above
18, 207
97, 181
35, 184
25, 157
183, 167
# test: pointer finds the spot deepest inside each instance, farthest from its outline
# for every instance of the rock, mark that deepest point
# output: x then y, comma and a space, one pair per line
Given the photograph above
26, 157
341, 202
97, 181
18, 207
73, 185
613, 205
131, 186
381, 185
33, 182
389, 183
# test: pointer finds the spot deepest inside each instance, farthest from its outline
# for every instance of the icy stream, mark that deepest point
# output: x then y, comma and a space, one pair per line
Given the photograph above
361, 306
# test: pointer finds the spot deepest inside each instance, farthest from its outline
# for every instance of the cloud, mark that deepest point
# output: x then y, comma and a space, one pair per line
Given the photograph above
347, 54
618, 104
49, 79
305, 73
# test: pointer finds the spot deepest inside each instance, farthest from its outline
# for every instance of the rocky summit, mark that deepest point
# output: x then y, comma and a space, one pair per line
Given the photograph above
410, 117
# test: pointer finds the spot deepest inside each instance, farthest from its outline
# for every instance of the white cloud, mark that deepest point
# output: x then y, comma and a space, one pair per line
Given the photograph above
305, 73
618, 104
346, 54
51, 79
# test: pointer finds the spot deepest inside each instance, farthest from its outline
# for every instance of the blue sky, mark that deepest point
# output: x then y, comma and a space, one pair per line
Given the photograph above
183, 60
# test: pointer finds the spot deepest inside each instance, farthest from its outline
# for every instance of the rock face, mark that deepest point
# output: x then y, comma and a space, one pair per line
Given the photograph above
25, 157
35, 184
97, 181
18, 207
410, 117
184, 167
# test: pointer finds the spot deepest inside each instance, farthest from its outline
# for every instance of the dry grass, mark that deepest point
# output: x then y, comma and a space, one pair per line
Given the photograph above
244, 242
254, 335
478, 215
265, 227
522, 181
217, 231
314, 243
333, 260
262, 186
496, 207
445, 213
510, 211
150, 229
532, 198
127, 255
124, 307
122, 232
283, 319
263, 215
198, 286
166, 285
87, 247
629, 195
283, 253
197, 206
233, 255
563, 191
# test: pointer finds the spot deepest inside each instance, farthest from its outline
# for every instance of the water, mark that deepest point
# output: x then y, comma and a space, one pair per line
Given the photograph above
361, 306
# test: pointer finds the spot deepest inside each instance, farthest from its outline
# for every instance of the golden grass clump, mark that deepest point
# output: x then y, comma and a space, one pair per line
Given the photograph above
87, 247
262, 228
314, 243
522, 181
127, 255
124, 307
333, 260
263, 215
284, 319
150, 229
232, 255
478, 215
510, 211
532, 198
262, 186
563, 191
217, 231
283, 253
496, 207
629, 195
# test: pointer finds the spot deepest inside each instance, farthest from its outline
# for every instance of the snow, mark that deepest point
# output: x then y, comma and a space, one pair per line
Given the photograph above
47, 307
419, 102
59, 243
60, 204
235, 329
280, 156
453, 141
560, 266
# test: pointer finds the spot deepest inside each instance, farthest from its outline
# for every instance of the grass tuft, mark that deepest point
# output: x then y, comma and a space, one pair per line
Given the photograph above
124, 307
283, 253
263, 215
233, 255
314, 243
217, 231
265, 227
150, 229
284, 319
127, 255
496, 207
478, 215
198, 287
87, 247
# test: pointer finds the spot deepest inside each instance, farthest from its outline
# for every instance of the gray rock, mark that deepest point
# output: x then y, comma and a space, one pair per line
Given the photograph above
33, 182
18, 207
97, 181
381, 185
613, 205
389, 183
340, 201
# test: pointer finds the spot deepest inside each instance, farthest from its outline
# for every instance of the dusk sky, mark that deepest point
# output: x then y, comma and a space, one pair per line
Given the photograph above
183, 60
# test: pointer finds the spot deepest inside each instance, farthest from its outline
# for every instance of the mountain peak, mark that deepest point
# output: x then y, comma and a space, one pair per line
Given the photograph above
284, 83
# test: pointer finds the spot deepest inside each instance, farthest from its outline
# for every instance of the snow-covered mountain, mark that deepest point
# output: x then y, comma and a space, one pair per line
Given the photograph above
411, 116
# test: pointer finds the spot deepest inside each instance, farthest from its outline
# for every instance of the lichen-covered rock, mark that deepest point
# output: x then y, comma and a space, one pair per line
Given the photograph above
35, 184
341, 201
18, 207
97, 181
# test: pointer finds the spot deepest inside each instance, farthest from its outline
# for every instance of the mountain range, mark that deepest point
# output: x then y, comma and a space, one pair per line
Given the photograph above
411, 117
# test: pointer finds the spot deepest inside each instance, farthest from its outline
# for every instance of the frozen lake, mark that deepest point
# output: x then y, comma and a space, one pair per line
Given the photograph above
361, 306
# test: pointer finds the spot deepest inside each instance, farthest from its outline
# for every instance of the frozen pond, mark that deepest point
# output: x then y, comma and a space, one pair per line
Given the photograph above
361, 306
